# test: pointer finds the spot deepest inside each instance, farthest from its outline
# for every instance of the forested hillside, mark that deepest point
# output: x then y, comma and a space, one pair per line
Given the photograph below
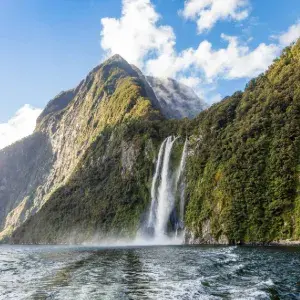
245, 164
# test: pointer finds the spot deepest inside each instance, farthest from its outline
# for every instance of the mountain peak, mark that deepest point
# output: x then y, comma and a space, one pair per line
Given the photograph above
117, 58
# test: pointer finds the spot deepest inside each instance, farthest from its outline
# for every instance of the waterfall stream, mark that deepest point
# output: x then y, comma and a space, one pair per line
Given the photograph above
152, 215
165, 199
181, 183
165, 187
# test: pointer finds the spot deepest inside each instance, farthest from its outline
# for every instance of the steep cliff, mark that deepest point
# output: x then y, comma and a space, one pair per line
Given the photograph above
24, 169
242, 168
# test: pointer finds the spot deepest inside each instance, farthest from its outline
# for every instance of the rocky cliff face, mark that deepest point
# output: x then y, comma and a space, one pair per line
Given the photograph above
24, 169
33, 169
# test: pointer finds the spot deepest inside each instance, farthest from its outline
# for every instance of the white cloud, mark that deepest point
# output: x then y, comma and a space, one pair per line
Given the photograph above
136, 34
141, 40
190, 81
208, 12
19, 126
291, 35
234, 61
215, 98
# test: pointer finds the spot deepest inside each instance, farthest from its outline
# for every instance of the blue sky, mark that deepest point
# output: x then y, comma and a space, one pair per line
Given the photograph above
48, 46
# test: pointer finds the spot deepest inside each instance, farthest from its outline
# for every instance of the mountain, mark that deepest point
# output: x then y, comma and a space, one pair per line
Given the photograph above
88, 171
32, 170
176, 99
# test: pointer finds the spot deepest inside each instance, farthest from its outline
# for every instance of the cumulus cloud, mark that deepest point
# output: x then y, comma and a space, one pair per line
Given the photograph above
136, 34
208, 12
291, 35
19, 126
138, 38
141, 40
234, 61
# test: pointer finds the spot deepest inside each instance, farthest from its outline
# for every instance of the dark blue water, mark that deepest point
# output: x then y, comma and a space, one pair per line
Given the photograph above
168, 272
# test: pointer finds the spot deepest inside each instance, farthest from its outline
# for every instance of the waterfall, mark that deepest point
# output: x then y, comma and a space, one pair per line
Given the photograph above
165, 200
165, 187
151, 218
180, 180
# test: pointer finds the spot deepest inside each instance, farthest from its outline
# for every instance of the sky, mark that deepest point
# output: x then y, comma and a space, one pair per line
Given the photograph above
214, 46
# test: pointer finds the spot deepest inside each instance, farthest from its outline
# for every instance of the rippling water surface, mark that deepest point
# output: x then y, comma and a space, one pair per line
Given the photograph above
168, 272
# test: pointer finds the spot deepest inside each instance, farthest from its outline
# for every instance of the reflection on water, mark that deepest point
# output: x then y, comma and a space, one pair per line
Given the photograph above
168, 272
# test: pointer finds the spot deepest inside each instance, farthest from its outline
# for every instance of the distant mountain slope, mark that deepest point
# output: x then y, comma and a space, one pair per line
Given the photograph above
176, 99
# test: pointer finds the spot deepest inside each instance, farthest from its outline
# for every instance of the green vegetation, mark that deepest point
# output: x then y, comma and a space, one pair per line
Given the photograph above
242, 170
243, 175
